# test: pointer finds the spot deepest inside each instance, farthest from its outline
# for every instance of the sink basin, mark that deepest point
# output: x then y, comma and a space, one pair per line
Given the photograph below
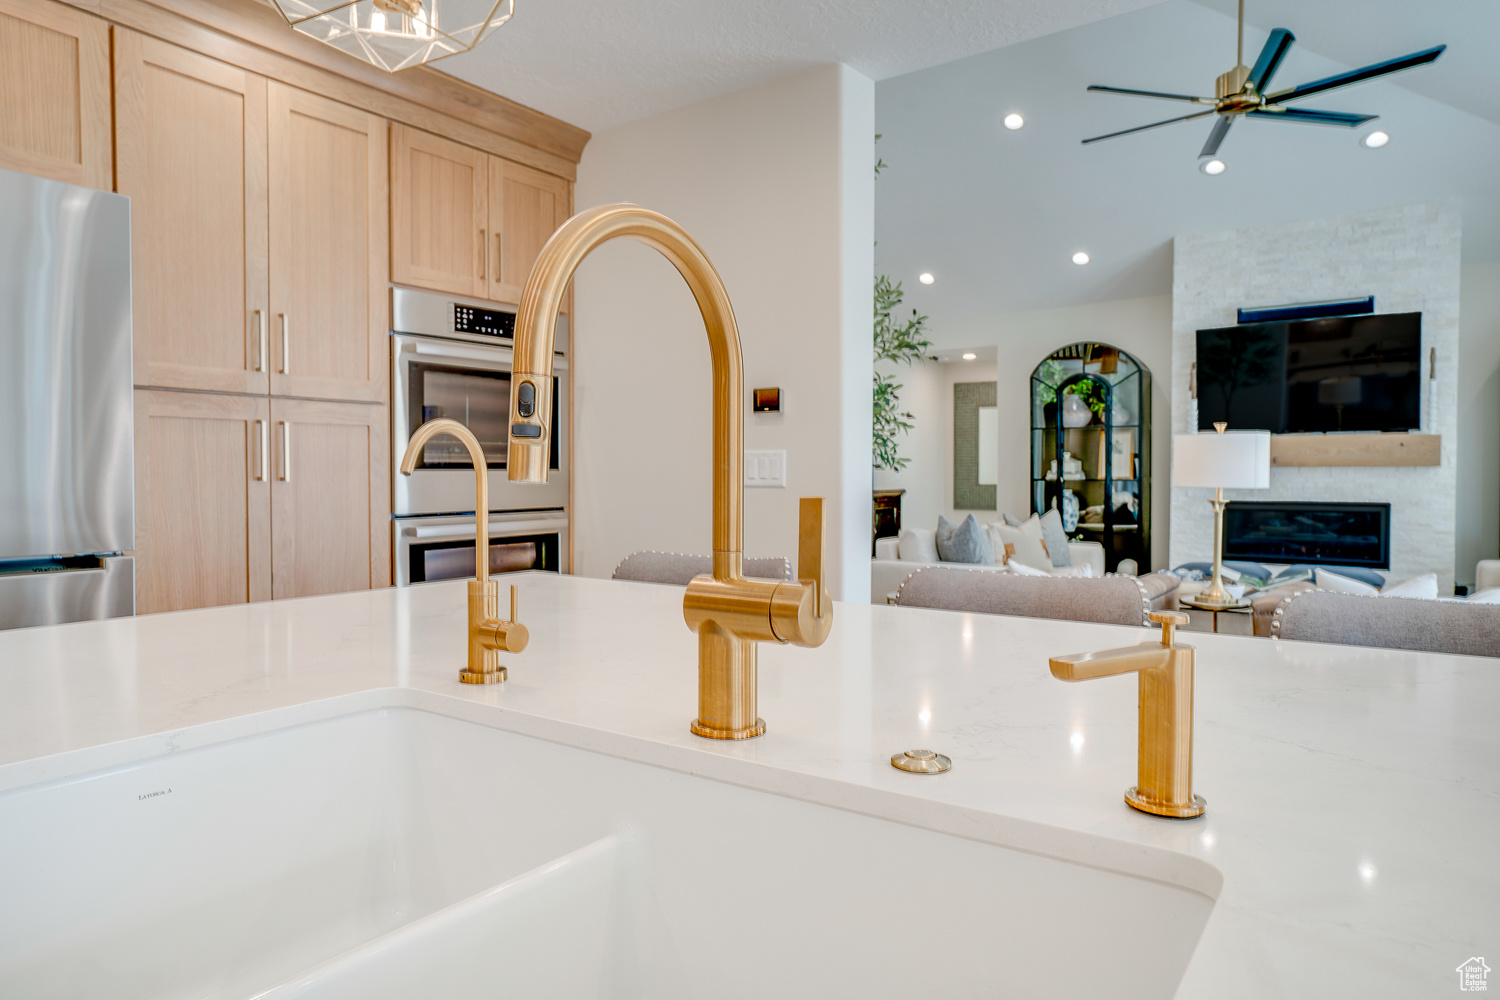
403, 853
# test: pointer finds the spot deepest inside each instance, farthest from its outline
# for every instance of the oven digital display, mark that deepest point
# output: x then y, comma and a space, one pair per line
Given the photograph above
486, 322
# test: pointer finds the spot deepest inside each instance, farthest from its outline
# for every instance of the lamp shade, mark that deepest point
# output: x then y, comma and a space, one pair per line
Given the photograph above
1233, 460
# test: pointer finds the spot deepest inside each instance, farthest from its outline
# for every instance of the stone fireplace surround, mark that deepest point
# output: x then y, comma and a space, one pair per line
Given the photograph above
1408, 258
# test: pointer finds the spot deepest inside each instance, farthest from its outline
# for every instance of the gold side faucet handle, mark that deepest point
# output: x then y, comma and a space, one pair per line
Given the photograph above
801, 610
1169, 621
508, 636
811, 540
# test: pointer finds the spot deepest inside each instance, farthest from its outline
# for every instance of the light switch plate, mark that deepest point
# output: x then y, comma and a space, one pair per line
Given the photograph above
765, 468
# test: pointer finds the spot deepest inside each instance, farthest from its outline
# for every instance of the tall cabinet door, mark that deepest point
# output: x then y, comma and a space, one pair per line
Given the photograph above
202, 500
54, 89
439, 219
330, 497
525, 208
191, 154
328, 242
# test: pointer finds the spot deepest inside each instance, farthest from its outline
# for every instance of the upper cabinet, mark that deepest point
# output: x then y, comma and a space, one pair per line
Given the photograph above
439, 218
54, 88
191, 154
328, 313
466, 222
526, 207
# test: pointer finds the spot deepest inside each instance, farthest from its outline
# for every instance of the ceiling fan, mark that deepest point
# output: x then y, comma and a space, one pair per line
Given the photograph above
1242, 91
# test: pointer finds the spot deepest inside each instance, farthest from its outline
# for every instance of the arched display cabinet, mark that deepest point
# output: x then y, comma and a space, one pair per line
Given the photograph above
1105, 462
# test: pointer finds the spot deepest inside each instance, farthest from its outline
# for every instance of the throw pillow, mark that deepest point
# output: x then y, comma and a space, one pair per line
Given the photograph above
1342, 584
1010, 519
1359, 573
1424, 586
1026, 538
1056, 538
1082, 570
1490, 596
918, 546
1021, 569
963, 543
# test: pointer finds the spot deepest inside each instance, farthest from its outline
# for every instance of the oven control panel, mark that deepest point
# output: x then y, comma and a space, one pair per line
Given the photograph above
485, 322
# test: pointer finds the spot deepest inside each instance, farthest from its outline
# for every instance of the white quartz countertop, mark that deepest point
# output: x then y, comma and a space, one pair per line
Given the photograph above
1353, 794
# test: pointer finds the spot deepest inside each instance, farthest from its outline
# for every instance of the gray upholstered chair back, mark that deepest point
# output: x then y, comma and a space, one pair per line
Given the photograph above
679, 569
1389, 622
1112, 600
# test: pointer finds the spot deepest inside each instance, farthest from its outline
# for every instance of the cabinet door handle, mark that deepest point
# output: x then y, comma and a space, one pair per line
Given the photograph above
286, 452
260, 341
262, 446
484, 261
499, 256
286, 345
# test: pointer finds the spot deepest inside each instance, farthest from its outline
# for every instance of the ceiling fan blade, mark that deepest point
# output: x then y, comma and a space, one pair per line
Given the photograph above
1221, 129
1271, 54
1357, 75
1153, 93
1315, 117
1142, 128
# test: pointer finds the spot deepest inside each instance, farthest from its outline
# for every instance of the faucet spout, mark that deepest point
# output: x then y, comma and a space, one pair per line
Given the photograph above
729, 613
489, 634
1164, 754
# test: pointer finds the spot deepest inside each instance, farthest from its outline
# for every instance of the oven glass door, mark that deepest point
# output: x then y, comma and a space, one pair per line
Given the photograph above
454, 560
477, 398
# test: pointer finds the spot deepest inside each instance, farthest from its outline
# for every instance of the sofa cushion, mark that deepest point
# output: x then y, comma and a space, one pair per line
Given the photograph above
1424, 587
1055, 538
965, 542
1359, 573
918, 545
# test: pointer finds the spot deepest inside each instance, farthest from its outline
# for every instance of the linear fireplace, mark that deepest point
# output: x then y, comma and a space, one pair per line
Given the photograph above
1313, 534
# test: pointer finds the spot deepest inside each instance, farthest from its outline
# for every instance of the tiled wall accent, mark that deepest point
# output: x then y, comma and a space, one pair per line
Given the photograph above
1408, 258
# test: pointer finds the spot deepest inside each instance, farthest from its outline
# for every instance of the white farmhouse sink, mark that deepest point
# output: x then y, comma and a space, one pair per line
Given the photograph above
399, 853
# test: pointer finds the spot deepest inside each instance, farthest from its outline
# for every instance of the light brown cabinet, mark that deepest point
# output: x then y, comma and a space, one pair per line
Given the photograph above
202, 500
330, 497
55, 94
328, 312
191, 154
466, 222
244, 498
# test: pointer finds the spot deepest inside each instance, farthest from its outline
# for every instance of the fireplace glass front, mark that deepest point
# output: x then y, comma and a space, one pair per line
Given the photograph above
1311, 534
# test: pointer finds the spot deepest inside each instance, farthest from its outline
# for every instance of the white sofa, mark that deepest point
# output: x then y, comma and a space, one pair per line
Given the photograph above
888, 569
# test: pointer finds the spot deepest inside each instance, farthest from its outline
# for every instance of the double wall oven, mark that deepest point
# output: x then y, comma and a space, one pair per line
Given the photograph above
451, 357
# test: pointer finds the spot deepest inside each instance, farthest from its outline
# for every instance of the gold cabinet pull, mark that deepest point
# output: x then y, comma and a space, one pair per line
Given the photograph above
286, 345
260, 340
261, 447
484, 261
286, 452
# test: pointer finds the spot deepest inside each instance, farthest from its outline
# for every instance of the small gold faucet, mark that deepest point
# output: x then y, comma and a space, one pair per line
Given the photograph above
1164, 764
729, 612
488, 633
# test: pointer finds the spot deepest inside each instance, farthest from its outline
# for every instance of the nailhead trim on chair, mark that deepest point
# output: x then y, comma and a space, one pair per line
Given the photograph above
1276, 615
785, 562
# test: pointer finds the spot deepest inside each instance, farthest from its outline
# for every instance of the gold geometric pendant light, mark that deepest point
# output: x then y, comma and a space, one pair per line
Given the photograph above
396, 34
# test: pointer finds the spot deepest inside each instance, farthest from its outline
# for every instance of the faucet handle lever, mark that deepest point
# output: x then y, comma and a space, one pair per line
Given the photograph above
1169, 620
810, 545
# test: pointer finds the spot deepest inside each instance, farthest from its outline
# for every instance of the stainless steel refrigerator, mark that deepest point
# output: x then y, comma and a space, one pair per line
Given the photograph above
67, 451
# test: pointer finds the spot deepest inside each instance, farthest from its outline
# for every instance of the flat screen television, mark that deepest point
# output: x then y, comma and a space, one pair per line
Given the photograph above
1336, 373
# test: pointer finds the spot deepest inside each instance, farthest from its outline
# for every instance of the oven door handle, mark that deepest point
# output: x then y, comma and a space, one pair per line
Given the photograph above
458, 532
498, 357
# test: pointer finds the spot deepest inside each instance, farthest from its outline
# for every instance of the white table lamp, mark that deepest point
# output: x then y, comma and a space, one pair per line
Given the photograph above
1237, 460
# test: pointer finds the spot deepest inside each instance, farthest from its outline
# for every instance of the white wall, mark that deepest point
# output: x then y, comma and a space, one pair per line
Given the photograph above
1408, 258
1141, 327
775, 183
1478, 419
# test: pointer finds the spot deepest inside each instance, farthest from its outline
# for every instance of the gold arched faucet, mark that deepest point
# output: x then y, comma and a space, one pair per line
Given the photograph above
489, 634
729, 612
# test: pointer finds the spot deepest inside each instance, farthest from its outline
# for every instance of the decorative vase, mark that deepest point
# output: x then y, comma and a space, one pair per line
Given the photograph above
1075, 412
1119, 416
1069, 511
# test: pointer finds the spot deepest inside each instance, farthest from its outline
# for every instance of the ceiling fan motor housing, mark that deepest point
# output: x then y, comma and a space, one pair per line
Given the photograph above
1231, 83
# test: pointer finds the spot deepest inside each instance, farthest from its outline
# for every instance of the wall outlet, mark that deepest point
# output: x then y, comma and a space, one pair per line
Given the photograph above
765, 468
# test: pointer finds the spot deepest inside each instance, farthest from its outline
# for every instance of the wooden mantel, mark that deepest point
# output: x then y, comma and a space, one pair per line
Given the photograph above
1356, 449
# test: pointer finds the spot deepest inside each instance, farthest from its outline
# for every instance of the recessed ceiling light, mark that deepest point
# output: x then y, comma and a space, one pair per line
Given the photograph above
970, 356
1014, 121
1374, 140
926, 278
1080, 258
1212, 168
